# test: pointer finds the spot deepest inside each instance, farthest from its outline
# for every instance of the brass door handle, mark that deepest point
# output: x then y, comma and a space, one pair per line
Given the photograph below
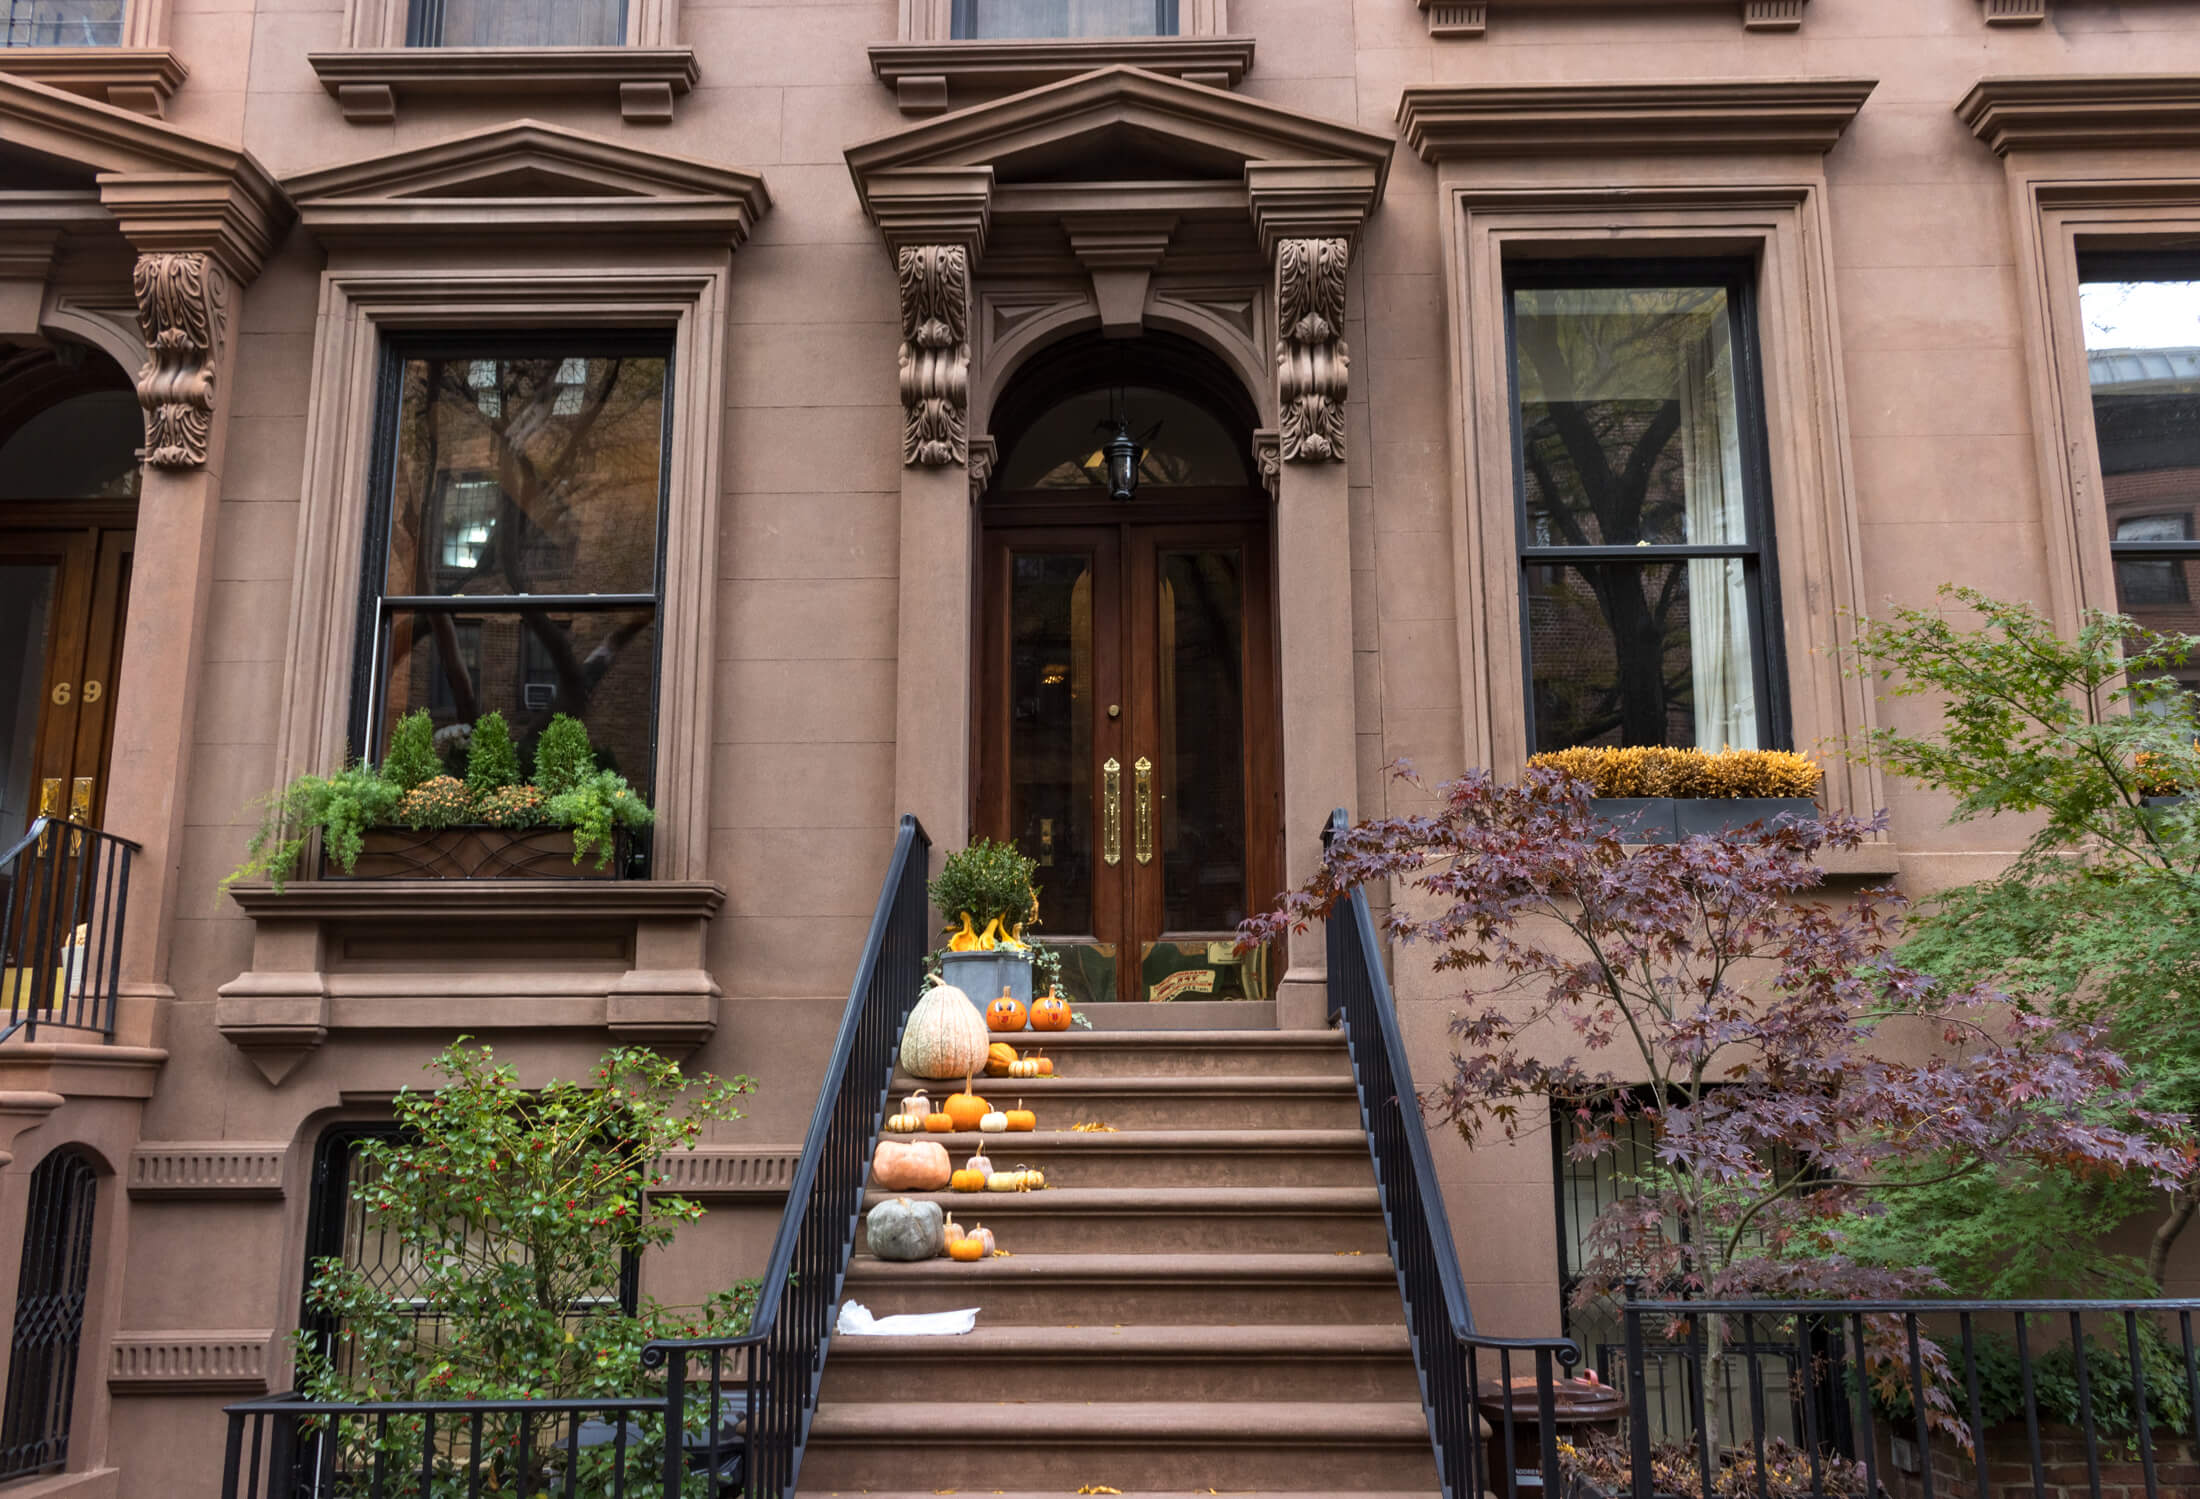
1144, 769
49, 806
1111, 812
80, 810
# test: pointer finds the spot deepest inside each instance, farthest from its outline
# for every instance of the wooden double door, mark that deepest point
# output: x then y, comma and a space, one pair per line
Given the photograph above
64, 590
1128, 737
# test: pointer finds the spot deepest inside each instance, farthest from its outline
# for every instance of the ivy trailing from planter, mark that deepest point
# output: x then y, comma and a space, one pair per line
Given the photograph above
411, 789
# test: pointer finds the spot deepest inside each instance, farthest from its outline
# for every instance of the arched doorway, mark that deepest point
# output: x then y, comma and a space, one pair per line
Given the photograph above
1128, 731
70, 430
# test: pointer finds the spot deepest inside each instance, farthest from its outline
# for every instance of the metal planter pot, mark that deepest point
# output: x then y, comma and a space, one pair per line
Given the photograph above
1695, 815
983, 975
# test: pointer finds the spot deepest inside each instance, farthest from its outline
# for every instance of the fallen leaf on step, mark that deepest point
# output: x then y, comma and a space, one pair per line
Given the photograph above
1002, 1254
1355, 1252
1093, 1127
1096, 1488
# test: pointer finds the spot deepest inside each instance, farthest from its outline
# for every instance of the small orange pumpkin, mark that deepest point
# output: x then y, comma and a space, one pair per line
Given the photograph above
937, 1123
1006, 1014
967, 1181
967, 1251
1021, 1118
1049, 1014
1000, 1057
966, 1108
1046, 1066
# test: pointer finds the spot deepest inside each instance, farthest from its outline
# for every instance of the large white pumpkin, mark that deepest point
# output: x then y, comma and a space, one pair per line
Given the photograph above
946, 1036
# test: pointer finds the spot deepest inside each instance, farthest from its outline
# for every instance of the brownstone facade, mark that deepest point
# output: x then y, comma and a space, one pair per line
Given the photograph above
851, 231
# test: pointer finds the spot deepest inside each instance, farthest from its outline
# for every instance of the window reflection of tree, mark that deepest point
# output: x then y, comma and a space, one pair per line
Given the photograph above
1614, 462
537, 429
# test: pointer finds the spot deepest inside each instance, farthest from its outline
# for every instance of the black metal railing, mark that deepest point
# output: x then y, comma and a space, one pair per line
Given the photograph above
1461, 1369
64, 891
741, 1406
1909, 1399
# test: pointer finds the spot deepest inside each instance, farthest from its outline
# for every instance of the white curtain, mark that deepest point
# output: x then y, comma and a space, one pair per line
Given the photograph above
1718, 600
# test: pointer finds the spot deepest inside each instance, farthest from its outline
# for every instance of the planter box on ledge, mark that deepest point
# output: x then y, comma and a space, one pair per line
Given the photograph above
983, 975
1668, 819
476, 851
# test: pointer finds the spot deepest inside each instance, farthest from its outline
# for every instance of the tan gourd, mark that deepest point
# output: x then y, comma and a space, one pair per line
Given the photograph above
1023, 1067
917, 1104
983, 1235
946, 1038
903, 1124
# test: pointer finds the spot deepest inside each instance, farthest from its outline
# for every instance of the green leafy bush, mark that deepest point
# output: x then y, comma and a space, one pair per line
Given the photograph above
519, 1212
412, 757
987, 882
563, 758
595, 810
340, 807
492, 760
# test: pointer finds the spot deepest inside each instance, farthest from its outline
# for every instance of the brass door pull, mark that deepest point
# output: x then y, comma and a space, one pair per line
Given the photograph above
1144, 769
1111, 812
80, 810
49, 807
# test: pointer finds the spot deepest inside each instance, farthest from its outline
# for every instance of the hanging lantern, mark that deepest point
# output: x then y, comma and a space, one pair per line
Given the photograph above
1124, 456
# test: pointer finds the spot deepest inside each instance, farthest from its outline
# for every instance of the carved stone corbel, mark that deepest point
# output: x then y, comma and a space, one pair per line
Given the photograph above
984, 453
183, 308
935, 354
1268, 459
1312, 364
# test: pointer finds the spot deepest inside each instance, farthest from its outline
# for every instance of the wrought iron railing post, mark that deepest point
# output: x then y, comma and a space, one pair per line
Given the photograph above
64, 895
1638, 1397
676, 1427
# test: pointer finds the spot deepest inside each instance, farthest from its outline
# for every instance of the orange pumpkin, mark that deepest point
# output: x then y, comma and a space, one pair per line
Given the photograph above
999, 1058
938, 1124
968, 1251
1021, 1118
1049, 1014
967, 1181
965, 1109
1005, 1014
1046, 1066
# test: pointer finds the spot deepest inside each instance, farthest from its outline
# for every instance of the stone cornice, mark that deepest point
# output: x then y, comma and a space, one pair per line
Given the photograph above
933, 206
191, 1170
156, 1363
1309, 200
235, 219
78, 1069
925, 76
139, 79
1457, 19
2065, 111
1681, 118
370, 82
714, 1171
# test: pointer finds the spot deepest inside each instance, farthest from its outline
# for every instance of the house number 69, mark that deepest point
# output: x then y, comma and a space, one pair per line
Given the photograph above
61, 693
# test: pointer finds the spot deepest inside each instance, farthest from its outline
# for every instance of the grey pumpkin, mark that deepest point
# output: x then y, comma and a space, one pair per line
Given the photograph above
901, 1228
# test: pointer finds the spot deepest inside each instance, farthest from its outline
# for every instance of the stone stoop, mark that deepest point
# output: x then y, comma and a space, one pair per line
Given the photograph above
1202, 1300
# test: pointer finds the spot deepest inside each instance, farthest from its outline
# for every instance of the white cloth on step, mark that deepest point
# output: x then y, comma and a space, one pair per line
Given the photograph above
856, 1318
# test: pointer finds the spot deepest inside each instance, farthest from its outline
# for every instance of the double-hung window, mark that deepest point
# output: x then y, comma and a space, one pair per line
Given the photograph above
2141, 314
514, 541
995, 19
61, 23
516, 23
1648, 615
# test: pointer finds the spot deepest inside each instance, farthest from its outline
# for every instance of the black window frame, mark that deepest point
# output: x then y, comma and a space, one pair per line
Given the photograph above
369, 676
1738, 278
424, 25
2127, 266
53, 1282
963, 20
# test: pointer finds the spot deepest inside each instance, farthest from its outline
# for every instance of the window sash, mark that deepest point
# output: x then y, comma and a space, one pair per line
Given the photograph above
963, 24
1768, 679
426, 22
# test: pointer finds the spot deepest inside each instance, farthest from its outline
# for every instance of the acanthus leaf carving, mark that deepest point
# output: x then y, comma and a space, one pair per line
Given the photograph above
183, 308
1312, 364
935, 354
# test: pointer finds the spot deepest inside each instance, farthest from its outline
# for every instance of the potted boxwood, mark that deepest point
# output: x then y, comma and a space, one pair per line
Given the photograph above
408, 818
986, 894
1653, 794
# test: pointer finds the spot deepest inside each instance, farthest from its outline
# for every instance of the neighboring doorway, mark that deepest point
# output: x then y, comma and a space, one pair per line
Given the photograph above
1128, 717
70, 429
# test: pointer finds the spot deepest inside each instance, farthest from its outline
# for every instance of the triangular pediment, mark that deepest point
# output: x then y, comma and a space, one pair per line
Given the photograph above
1119, 124
523, 159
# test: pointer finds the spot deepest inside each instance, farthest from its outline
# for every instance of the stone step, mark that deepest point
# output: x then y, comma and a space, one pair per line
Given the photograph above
980, 1444
1100, 1290
1282, 1101
1180, 1158
1196, 1053
1197, 1220
1338, 1362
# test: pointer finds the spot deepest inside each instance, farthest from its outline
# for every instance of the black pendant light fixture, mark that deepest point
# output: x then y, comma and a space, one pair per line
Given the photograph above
1123, 457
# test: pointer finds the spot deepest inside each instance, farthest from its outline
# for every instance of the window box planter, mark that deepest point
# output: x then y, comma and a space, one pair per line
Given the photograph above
1667, 819
476, 851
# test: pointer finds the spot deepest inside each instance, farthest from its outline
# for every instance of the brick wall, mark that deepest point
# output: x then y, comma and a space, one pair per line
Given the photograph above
2062, 1467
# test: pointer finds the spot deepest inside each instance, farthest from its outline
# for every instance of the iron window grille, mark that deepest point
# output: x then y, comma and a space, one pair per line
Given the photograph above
51, 1290
1550, 543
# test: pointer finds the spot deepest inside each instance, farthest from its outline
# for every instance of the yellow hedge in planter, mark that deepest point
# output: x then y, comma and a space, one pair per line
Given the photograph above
1646, 770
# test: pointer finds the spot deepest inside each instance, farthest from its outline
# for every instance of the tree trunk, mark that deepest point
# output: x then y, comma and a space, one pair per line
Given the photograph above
2181, 1205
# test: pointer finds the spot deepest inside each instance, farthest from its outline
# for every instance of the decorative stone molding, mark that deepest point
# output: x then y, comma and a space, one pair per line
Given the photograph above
369, 83
1312, 365
719, 1171
1268, 459
197, 1363
21, 1111
927, 77
1120, 251
1470, 19
2015, 12
2067, 111
183, 307
36, 1076
935, 354
214, 1169
622, 957
133, 78
1756, 116
984, 453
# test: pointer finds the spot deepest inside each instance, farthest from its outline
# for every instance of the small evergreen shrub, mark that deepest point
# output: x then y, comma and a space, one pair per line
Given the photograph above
1655, 770
492, 760
563, 758
412, 757
439, 802
988, 882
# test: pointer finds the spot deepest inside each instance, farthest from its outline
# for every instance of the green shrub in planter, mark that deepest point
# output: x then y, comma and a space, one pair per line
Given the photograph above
492, 760
340, 807
595, 810
563, 756
412, 757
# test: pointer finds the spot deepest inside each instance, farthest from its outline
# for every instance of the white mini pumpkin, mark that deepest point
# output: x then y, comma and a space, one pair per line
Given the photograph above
995, 1123
946, 1036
